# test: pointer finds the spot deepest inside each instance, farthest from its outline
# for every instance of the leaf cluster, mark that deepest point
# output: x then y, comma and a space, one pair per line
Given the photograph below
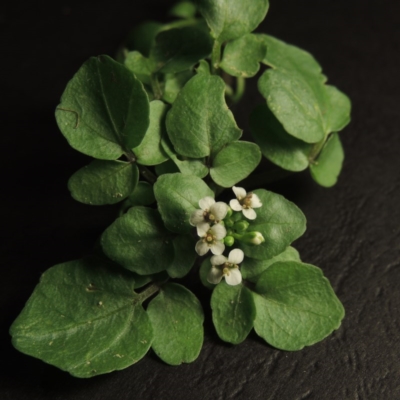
158, 125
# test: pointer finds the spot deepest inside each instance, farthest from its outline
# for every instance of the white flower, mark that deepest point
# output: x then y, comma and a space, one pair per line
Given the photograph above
226, 267
210, 213
245, 202
210, 239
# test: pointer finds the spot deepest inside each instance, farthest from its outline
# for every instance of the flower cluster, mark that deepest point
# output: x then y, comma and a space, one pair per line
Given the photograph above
217, 227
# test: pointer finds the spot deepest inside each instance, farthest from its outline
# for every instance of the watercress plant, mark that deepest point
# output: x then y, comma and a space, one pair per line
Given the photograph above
164, 143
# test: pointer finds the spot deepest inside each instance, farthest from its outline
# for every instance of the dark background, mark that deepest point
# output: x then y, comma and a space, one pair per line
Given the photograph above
353, 229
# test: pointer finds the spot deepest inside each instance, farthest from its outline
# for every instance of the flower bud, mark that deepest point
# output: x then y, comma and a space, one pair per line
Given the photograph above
228, 222
241, 226
236, 216
229, 212
229, 241
254, 238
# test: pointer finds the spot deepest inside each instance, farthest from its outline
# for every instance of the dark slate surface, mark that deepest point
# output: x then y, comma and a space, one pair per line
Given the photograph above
353, 229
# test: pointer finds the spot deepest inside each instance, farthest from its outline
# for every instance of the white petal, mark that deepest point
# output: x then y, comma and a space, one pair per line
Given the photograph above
240, 193
236, 256
235, 205
218, 231
201, 248
218, 260
219, 210
214, 276
255, 201
234, 277
196, 217
206, 203
249, 213
202, 229
217, 248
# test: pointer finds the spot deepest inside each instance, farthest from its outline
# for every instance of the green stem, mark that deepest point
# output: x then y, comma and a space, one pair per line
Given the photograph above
240, 88
215, 57
316, 149
147, 174
155, 85
149, 291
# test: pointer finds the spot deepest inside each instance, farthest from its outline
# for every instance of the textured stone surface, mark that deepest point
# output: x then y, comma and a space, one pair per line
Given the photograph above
353, 229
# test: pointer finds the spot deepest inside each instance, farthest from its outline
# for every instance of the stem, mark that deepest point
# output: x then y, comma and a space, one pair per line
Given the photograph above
149, 291
147, 174
155, 85
215, 57
316, 149
240, 88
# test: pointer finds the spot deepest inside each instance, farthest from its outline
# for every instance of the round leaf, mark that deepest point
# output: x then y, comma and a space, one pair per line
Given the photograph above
178, 196
85, 318
150, 151
230, 19
199, 122
177, 320
104, 109
103, 182
179, 49
242, 56
235, 162
251, 269
185, 256
139, 242
275, 143
280, 222
296, 306
326, 169
143, 195
233, 312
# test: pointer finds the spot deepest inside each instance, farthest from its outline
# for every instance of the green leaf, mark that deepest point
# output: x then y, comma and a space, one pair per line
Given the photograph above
281, 55
275, 143
242, 56
296, 94
234, 163
203, 67
177, 320
167, 167
103, 182
252, 269
104, 110
230, 19
184, 9
139, 241
339, 110
295, 103
199, 122
189, 166
280, 222
143, 195
142, 37
185, 256
150, 151
296, 307
180, 49
205, 268
174, 84
233, 312
139, 65
178, 196
326, 169
85, 318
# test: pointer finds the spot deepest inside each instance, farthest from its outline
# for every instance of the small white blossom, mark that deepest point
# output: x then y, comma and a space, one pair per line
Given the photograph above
245, 202
226, 267
211, 237
211, 212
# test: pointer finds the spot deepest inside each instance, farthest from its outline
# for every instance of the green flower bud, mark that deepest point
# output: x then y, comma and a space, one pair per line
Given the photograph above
241, 226
229, 241
252, 238
228, 222
229, 212
237, 216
